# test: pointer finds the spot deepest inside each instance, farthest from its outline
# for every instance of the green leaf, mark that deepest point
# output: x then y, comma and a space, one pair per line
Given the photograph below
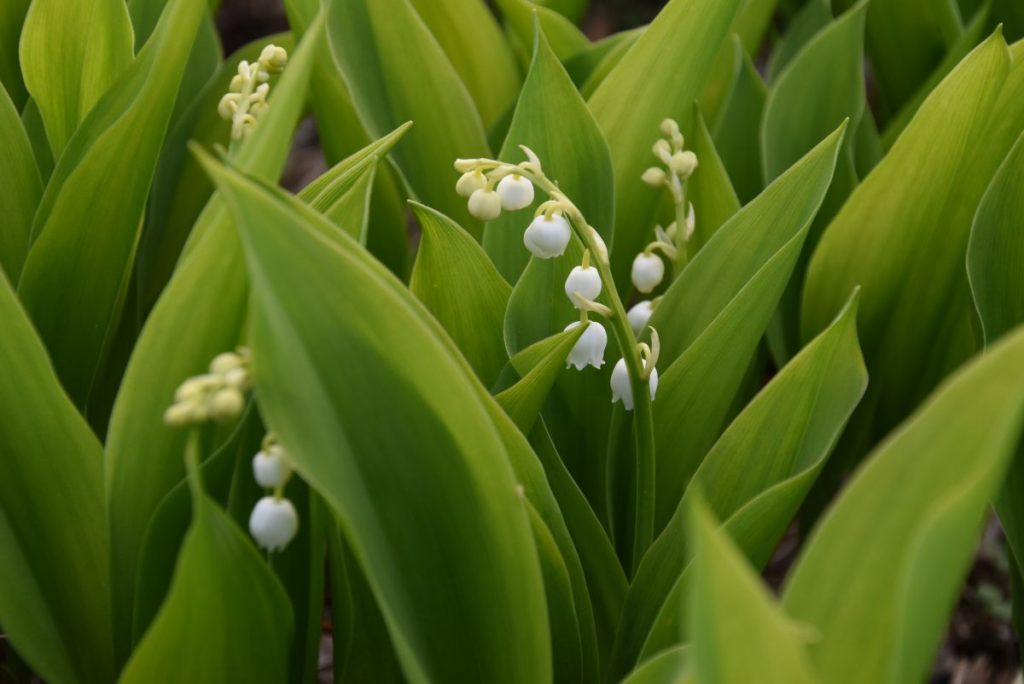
675, 55
66, 74
881, 572
54, 547
812, 18
573, 10
521, 15
672, 666
226, 617
12, 18
364, 365
736, 132
903, 233
471, 38
456, 281
23, 188
740, 634
540, 365
143, 456
755, 478
995, 252
75, 278
552, 119
397, 72
709, 189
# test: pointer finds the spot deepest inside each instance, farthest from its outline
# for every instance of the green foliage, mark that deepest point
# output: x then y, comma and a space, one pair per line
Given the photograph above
387, 407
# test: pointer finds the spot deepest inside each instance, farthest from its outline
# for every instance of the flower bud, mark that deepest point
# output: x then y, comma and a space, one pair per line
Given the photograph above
226, 405
547, 238
669, 128
224, 362
271, 467
639, 315
648, 271
621, 388
683, 163
178, 415
274, 57
586, 281
228, 105
516, 192
662, 150
273, 523
654, 176
470, 182
589, 349
485, 204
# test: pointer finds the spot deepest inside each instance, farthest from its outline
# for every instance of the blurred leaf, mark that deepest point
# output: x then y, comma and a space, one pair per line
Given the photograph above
32, 120
12, 17
903, 233
574, 10
611, 54
75, 277
881, 572
709, 189
456, 281
23, 187
755, 478
736, 132
54, 548
67, 75
675, 55
521, 15
226, 617
397, 72
143, 459
364, 364
740, 634
471, 38
552, 119
812, 18
672, 666
523, 401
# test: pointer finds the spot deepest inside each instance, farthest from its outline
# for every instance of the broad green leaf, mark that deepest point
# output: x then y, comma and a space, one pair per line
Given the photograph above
19, 175
736, 132
573, 10
12, 18
995, 252
881, 572
75, 277
32, 120
72, 52
903, 233
143, 456
456, 281
612, 55
540, 364
675, 56
812, 18
709, 189
226, 617
364, 364
672, 666
471, 38
521, 15
755, 478
54, 547
552, 119
397, 72
740, 634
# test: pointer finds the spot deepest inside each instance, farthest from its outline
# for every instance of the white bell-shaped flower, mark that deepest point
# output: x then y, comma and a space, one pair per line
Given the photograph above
485, 204
585, 281
470, 182
648, 271
639, 315
273, 523
271, 467
620, 385
547, 238
589, 349
516, 192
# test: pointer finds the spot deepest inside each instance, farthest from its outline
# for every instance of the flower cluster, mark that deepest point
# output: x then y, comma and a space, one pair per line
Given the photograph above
274, 521
582, 287
218, 395
247, 98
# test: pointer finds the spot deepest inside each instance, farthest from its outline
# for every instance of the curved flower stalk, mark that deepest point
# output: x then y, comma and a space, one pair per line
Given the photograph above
484, 182
247, 96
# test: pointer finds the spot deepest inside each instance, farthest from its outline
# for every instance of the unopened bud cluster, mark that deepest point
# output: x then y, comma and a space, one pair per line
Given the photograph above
274, 522
678, 163
218, 395
247, 96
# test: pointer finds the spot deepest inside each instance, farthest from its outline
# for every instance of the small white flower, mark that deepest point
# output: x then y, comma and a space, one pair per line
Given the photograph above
516, 192
547, 238
585, 281
485, 204
589, 349
273, 523
271, 467
639, 315
648, 271
622, 390
470, 182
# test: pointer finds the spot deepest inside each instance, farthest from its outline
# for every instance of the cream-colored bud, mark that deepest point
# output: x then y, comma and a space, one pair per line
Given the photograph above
226, 404
178, 415
485, 204
274, 57
663, 151
470, 182
224, 362
683, 163
654, 176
